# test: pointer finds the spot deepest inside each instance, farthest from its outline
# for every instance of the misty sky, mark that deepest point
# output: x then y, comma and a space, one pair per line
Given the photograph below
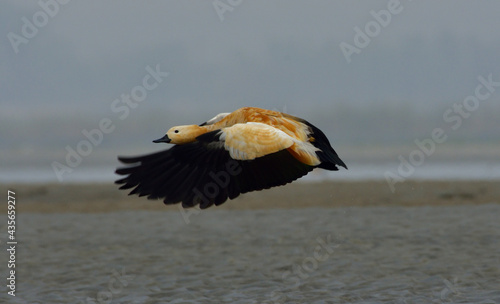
282, 55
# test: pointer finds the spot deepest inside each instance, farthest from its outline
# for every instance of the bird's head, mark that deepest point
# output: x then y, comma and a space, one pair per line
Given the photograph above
181, 134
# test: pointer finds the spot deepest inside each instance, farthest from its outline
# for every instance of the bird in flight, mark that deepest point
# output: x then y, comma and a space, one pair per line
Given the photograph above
233, 153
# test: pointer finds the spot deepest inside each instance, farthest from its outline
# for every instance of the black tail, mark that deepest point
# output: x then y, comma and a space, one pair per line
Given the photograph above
328, 157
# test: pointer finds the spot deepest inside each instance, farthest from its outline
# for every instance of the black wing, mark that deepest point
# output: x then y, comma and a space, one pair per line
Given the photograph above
203, 173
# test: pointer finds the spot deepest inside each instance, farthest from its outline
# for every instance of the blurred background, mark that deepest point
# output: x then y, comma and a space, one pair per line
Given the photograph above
374, 75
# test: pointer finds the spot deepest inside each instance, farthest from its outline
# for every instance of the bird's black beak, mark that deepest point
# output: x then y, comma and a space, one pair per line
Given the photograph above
164, 139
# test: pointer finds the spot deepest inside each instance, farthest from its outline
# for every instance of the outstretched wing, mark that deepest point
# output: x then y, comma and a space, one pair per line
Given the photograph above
222, 164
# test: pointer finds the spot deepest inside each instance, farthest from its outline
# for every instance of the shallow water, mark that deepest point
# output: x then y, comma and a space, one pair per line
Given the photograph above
437, 170
340, 255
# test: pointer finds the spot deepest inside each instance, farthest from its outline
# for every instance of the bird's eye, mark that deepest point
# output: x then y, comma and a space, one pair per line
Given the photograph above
176, 131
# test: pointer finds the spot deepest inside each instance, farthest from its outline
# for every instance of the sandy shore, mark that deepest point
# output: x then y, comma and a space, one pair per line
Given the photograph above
431, 242
95, 198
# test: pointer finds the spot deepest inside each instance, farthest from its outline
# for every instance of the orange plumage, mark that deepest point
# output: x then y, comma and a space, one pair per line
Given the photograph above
246, 150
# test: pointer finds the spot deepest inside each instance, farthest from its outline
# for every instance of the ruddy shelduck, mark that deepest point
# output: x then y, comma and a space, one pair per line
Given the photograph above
233, 153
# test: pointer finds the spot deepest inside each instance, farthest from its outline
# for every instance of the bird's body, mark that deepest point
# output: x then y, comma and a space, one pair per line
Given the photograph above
232, 153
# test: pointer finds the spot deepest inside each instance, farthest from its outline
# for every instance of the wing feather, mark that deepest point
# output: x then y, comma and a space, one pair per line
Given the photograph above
216, 119
252, 140
204, 173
